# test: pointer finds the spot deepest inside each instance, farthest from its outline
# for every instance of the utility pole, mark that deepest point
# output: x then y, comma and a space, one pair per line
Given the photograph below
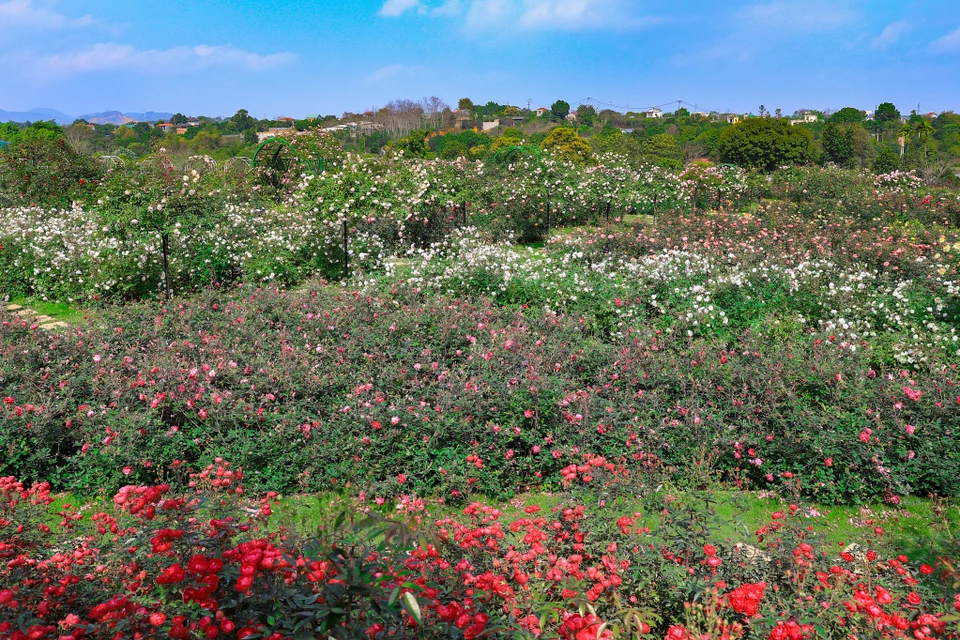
529, 100
678, 105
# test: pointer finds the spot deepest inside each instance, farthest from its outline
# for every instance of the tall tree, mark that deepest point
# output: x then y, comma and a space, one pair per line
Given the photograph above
849, 115
765, 143
924, 130
560, 109
586, 114
886, 113
903, 136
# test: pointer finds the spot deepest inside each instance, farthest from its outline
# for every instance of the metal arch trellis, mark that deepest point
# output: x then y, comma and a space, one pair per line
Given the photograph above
200, 162
112, 161
237, 165
274, 161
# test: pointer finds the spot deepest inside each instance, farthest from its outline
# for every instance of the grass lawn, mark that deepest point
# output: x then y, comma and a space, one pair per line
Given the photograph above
56, 310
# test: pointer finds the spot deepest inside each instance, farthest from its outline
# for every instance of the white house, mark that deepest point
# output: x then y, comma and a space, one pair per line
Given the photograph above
654, 113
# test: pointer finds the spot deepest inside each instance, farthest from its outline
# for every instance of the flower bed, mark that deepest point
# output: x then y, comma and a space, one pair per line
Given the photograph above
209, 561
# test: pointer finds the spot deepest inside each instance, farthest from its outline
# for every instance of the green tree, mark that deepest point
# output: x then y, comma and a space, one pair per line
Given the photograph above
886, 113
178, 118
924, 130
586, 114
414, 145
465, 104
42, 130
453, 150
663, 150
838, 144
849, 115
886, 160
903, 136
765, 143
241, 121
560, 110
564, 143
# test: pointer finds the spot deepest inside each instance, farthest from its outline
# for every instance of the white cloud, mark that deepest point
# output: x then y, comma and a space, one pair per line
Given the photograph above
527, 15
890, 34
794, 16
111, 56
948, 43
24, 13
394, 8
393, 71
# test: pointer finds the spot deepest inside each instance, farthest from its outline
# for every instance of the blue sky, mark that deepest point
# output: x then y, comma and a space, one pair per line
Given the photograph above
213, 57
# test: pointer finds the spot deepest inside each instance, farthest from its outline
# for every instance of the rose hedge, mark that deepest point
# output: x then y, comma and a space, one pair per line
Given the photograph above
314, 388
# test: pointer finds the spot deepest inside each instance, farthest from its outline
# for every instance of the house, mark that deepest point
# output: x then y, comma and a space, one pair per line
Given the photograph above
654, 113
731, 118
165, 126
463, 118
182, 129
272, 132
571, 116
490, 126
542, 111
806, 118
312, 117
519, 119
286, 119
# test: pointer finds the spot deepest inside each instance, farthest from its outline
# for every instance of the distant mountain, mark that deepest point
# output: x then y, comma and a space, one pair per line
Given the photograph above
116, 117
151, 116
108, 117
35, 115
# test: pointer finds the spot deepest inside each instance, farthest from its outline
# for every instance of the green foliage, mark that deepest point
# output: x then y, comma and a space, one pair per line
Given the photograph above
886, 161
414, 145
765, 143
586, 115
838, 144
848, 115
663, 151
887, 113
560, 110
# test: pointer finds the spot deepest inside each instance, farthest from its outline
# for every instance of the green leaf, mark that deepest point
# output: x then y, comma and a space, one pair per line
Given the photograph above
410, 603
392, 600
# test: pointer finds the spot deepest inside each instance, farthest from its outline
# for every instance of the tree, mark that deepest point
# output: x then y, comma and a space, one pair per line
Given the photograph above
838, 144
663, 150
178, 118
924, 129
586, 114
765, 143
682, 112
564, 143
453, 150
465, 104
903, 136
560, 109
886, 160
79, 137
763, 110
414, 145
241, 121
886, 112
849, 115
